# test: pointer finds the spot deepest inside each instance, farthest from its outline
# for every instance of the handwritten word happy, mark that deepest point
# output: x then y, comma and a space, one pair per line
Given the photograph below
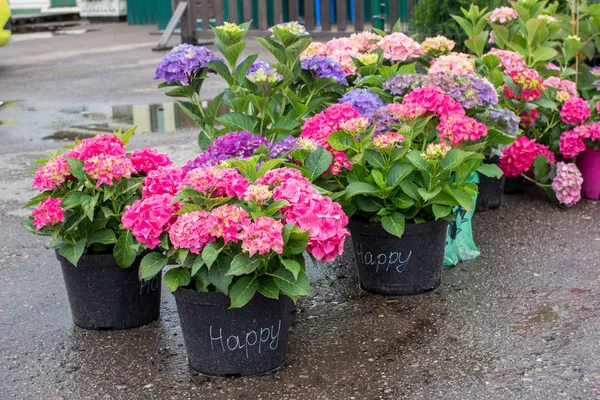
265, 338
385, 261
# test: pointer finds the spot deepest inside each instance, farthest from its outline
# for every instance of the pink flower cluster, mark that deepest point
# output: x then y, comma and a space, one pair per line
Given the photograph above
192, 231
163, 180
48, 212
438, 45
530, 82
562, 85
106, 144
312, 212
106, 168
258, 193
567, 184
342, 50
528, 118
148, 218
432, 99
319, 127
519, 157
406, 111
262, 236
52, 174
228, 221
503, 15
216, 182
572, 142
355, 126
365, 41
458, 128
399, 47
454, 63
575, 111
146, 160
509, 60
387, 141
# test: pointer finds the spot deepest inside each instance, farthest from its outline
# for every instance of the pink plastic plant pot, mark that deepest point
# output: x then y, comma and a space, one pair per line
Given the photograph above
588, 163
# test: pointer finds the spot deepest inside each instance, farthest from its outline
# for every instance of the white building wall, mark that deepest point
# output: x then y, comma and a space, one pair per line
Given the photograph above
28, 4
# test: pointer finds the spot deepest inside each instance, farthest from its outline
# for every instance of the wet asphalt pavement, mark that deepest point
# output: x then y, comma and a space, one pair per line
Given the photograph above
522, 321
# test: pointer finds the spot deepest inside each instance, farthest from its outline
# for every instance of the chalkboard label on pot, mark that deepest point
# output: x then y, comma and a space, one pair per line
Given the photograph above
393, 266
245, 341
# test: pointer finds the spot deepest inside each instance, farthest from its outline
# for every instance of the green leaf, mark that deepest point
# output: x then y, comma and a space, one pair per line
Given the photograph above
452, 159
124, 252
441, 211
410, 189
356, 188
89, 205
462, 198
393, 223
177, 277
429, 195
544, 54
398, 172
374, 159
291, 265
341, 141
289, 285
415, 158
210, 114
102, 236
243, 290
368, 204
72, 253
296, 242
275, 206
198, 263
217, 276
38, 199
541, 168
242, 264
236, 121
210, 253
74, 199
152, 264
76, 168
317, 162
267, 287
490, 170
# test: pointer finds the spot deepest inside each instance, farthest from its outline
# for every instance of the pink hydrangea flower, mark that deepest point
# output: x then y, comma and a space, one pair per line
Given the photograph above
319, 127
459, 128
591, 131
406, 112
342, 50
192, 231
562, 85
258, 193
216, 182
52, 174
47, 213
387, 141
314, 49
575, 111
355, 126
262, 236
276, 176
147, 219
229, 221
530, 82
454, 63
433, 100
146, 160
107, 144
318, 214
438, 45
509, 60
364, 40
567, 184
571, 143
528, 118
163, 180
503, 15
399, 47
519, 157
106, 168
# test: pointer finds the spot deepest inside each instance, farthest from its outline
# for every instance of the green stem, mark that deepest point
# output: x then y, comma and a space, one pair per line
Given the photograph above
536, 182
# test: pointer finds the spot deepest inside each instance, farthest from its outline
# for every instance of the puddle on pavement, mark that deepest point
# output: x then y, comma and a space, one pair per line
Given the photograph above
543, 315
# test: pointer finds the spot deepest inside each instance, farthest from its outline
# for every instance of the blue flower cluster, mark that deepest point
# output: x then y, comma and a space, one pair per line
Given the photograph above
363, 100
182, 62
324, 67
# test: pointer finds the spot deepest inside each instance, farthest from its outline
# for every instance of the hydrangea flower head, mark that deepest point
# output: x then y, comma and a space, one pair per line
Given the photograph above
575, 111
506, 119
362, 100
355, 126
406, 112
148, 218
435, 152
47, 213
453, 63
163, 180
365, 41
258, 193
433, 100
262, 236
385, 121
571, 143
458, 128
595, 71
277, 176
228, 222
437, 46
261, 73
400, 85
567, 184
216, 182
509, 60
399, 47
106, 168
469, 90
182, 62
230, 28
530, 82
342, 50
51, 174
314, 49
292, 27
107, 144
562, 85
387, 141
547, 18
192, 231
368, 59
146, 160
282, 147
503, 15
519, 157
324, 67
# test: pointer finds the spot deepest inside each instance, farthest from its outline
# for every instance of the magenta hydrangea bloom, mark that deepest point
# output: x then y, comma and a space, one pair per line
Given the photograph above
47, 213
575, 111
571, 143
182, 62
51, 174
146, 160
147, 219
229, 221
164, 180
433, 100
106, 168
262, 236
107, 144
216, 182
192, 231
519, 157
459, 128
567, 184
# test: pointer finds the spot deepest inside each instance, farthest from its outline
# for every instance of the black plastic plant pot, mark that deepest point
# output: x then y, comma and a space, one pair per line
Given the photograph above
226, 342
104, 296
491, 191
514, 185
393, 266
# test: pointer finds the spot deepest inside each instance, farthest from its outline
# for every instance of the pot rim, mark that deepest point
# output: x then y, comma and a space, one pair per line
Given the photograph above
411, 228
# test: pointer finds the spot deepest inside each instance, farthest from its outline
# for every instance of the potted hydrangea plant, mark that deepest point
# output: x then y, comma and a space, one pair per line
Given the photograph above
84, 191
239, 238
398, 176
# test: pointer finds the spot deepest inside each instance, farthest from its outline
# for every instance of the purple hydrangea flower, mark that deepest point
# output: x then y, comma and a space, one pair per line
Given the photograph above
470, 91
384, 121
363, 100
324, 67
238, 145
403, 84
261, 72
283, 146
505, 120
182, 62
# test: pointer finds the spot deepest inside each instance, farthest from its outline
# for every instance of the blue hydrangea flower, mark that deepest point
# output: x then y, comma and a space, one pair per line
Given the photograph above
384, 121
324, 67
283, 146
182, 62
363, 100
506, 119
403, 84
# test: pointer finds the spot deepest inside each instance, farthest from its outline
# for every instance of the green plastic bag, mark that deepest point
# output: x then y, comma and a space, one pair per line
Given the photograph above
459, 239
